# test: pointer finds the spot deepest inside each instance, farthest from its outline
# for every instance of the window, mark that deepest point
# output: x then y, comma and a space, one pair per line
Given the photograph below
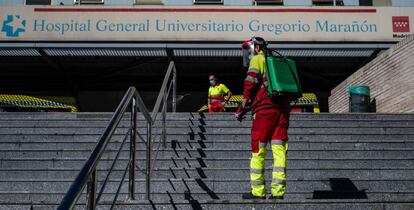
327, 2
365, 2
268, 2
38, 2
375, 2
89, 1
381, 3
208, 1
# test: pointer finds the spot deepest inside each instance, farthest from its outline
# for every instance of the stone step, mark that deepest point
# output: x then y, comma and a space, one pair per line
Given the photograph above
381, 173
13, 123
41, 153
236, 153
215, 116
338, 205
59, 137
211, 144
210, 185
245, 131
226, 198
305, 163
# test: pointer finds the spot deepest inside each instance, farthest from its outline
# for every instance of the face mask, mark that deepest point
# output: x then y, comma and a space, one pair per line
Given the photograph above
212, 82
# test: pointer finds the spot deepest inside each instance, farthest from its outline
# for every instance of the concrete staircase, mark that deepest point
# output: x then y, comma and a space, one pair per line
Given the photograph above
335, 161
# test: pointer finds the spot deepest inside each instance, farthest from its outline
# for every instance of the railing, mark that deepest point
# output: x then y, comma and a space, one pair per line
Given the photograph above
88, 174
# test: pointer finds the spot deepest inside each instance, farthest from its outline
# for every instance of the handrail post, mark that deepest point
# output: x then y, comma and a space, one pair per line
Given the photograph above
174, 95
164, 119
92, 192
87, 175
148, 174
132, 150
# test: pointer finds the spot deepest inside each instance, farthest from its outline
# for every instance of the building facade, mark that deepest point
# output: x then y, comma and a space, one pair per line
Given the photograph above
94, 50
396, 3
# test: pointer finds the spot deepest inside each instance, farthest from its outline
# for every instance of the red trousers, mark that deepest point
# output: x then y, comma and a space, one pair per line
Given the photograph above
216, 107
269, 124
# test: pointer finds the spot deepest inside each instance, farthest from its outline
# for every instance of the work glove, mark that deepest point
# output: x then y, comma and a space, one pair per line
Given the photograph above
241, 112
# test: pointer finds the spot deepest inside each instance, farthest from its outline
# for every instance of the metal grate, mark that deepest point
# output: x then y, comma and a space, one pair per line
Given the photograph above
191, 51
19, 52
285, 52
327, 53
208, 52
107, 52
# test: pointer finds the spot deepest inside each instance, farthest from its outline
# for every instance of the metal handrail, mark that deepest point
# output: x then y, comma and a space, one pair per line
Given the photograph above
87, 174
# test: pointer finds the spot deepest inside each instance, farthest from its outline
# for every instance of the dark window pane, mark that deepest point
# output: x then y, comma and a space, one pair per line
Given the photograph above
327, 2
269, 2
365, 2
90, 1
38, 2
208, 1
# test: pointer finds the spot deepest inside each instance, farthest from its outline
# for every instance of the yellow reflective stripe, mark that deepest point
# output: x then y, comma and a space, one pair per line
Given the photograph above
252, 79
279, 181
257, 182
278, 142
257, 171
279, 169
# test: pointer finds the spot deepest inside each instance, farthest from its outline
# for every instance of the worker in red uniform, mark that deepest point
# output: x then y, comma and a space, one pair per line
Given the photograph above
270, 123
216, 95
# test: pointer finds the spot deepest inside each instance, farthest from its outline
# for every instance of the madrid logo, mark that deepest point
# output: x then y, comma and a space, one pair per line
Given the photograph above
400, 24
13, 25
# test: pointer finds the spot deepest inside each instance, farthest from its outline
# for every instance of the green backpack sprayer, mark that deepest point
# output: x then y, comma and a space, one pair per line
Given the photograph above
282, 77
281, 73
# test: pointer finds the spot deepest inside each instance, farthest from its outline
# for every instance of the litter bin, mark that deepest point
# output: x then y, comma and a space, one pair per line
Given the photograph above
359, 98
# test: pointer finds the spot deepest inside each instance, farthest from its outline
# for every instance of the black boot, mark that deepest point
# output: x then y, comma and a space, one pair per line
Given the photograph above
272, 197
251, 196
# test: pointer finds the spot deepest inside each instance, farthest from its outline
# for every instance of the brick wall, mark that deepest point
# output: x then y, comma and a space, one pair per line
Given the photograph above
390, 77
